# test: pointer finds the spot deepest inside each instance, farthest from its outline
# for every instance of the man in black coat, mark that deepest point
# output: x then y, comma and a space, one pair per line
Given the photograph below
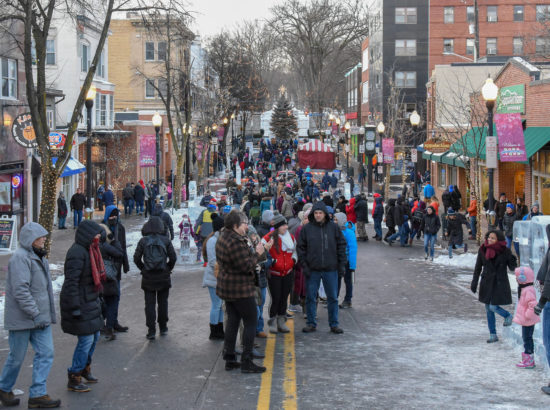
390, 219
80, 305
166, 218
139, 197
322, 252
155, 283
78, 202
128, 197
362, 213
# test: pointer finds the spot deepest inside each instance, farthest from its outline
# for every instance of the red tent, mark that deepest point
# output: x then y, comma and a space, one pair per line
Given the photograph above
316, 155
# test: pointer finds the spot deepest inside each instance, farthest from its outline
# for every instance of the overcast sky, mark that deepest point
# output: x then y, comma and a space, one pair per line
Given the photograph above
214, 15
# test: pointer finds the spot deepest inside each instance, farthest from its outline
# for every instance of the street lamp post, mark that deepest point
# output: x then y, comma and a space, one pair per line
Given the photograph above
338, 142
90, 96
347, 127
490, 93
415, 121
232, 132
381, 128
215, 146
157, 122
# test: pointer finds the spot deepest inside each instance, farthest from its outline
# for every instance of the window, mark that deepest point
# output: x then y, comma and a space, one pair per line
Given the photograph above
84, 57
492, 14
405, 47
8, 71
448, 45
491, 46
97, 105
518, 46
518, 13
149, 89
405, 15
161, 51
405, 79
448, 15
50, 52
103, 112
441, 176
101, 65
365, 96
365, 62
149, 51
542, 45
543, 12
162, 87
111, 110
470, 14
49, 119
470, 46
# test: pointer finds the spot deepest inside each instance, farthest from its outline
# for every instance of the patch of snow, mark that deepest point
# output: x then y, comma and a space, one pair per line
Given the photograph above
465, 260
57, 284
55, 266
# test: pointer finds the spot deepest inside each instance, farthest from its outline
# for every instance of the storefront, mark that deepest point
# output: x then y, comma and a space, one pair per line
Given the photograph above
541, 179
12, 191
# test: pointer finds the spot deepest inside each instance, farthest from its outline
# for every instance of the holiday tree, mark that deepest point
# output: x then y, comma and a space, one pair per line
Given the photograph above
283, 122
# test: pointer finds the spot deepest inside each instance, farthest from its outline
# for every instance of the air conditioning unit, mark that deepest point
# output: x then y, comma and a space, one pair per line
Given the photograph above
492, 51
492, 19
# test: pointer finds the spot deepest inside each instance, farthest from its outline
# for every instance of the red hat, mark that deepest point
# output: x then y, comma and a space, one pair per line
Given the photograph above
376, 195
213, 200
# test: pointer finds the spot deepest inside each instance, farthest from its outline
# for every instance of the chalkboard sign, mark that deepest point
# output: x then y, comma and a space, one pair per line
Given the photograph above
6, 233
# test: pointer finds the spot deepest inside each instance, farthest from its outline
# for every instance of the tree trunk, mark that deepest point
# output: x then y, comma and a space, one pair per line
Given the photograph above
176, 189
48, 201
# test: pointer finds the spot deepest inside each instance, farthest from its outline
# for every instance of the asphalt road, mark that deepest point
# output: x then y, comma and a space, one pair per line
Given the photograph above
415, 338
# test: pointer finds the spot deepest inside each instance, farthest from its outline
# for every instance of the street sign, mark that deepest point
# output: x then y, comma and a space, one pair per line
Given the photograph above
23, 131
361, 149
380, 157
491, 152
414, 155
347, 147
7, 232
380, 169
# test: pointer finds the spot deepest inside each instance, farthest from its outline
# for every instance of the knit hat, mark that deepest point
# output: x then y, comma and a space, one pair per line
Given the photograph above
307, 207
510, 206
330, 210
450, 211
325, 193
211, 207
227, 209
278, 221
301, 215
217, 223
267, 216
341, 219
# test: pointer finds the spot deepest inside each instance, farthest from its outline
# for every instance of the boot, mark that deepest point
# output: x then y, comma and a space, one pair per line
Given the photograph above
527, 361
43, 402
121, 329
87, 374
221, 333
248, 366
215, 332
110, 334
8, 399
492, 338
231, 361
281, 324
272, 325
75, 383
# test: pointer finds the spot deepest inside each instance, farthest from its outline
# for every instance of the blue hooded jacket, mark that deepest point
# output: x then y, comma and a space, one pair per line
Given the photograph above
351, 241
108, 210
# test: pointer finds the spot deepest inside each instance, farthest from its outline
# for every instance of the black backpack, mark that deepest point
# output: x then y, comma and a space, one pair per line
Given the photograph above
154, 254
418, 215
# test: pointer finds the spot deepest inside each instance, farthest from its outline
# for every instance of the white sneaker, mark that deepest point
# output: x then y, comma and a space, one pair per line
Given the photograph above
295, 308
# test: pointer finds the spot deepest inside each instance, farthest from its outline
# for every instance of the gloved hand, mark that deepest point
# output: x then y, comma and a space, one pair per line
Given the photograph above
41, 325
538, 309
473, 286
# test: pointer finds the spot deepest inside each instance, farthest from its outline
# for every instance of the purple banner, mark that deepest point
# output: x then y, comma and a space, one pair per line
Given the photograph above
511, 142
147, 154
221, 131
387, 150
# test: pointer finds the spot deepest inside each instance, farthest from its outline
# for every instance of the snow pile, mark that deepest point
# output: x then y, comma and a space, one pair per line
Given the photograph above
465, 260
57, 284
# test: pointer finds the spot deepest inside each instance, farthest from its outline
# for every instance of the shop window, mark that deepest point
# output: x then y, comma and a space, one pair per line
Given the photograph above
441, 176
453, 172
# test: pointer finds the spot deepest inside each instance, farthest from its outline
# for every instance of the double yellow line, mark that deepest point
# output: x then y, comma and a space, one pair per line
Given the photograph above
290, 401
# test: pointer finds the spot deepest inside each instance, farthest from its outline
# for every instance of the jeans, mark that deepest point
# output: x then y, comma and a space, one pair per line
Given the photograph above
77, 217
260, 324
450, 248
473, 225
546, 330
279, 289
128, 206
402, 233
349, 285
330, 283
83, 352
42, 344
111, 308
139, 207
216, 311
491, 322
527, 336
378, 227
61, 222
247, 310
501, 224
429, 243
152, 298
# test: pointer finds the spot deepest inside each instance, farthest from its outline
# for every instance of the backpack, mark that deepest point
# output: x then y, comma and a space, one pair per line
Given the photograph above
154, 254
255, 215
418, 215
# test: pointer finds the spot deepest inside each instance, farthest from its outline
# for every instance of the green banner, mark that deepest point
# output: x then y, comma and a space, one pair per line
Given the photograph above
511, 99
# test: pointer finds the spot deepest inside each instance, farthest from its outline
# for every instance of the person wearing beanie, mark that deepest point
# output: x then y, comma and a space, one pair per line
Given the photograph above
454, 231
508, 223
281, 260
348, 229
535, 211
209, 279
265, 225
203, 227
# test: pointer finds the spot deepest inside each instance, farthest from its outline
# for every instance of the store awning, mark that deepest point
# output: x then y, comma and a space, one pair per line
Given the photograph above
452, 158
73, 167
427, 155
472, 144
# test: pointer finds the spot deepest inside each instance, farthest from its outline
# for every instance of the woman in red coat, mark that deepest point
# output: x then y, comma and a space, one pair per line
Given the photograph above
350, 211
280, 279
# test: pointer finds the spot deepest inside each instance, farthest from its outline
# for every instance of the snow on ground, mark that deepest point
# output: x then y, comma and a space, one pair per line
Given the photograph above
465, 260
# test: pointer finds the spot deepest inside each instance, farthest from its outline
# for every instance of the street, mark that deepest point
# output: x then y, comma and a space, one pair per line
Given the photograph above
415, 338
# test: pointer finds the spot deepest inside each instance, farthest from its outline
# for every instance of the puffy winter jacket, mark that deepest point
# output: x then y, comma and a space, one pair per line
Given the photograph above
139, 193
284, 261
351, 244
454, 229
430, 223
167, 219
350, 211
321, 246
525, 315
390, 219
79, 298
543, 275
378, 210
508, 223
362, 210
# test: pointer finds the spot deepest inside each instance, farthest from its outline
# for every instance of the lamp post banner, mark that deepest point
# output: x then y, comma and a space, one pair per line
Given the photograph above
147, 151
387, 150
511, 141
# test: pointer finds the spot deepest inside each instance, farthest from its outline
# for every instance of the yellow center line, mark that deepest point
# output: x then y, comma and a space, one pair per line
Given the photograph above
264, 396
290, 401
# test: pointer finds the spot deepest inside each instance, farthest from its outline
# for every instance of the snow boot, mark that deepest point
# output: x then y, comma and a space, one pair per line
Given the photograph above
248, 366
75, 383
87, 374
508, 320
214, 332
527, 361
43, 402
221, 333
281, 324
272, 325
492, 338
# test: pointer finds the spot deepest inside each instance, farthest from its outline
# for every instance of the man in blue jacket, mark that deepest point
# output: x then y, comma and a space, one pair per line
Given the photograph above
348, 229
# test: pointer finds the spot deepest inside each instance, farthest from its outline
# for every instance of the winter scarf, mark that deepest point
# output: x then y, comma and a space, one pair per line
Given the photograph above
96, 263
492, 250
287, 242
521, 286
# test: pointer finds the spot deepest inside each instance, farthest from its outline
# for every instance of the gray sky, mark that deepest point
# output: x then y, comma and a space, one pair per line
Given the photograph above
214, 15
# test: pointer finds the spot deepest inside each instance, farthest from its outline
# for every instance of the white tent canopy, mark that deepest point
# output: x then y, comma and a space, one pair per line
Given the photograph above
315, 146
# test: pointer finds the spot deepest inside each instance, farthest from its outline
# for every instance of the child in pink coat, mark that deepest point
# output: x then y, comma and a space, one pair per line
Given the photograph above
525, 315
